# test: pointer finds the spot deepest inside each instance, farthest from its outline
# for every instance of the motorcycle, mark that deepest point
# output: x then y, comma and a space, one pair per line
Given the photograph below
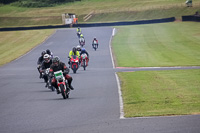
78, 34
63, 86
95, 45
82, 41
74, 63
45, 74
83, 61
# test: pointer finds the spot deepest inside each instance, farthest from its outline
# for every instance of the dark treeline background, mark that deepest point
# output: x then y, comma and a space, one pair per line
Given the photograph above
35, 3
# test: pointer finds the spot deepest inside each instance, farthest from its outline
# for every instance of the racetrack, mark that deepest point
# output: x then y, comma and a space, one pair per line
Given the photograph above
26, 106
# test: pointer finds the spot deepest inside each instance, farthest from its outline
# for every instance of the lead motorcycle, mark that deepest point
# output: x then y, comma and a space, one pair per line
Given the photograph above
63, 86
74, 63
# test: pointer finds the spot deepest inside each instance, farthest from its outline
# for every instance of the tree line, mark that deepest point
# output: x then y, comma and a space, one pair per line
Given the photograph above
35, 3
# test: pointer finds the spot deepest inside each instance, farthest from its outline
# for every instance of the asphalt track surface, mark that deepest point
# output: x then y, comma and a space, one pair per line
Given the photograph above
26, 106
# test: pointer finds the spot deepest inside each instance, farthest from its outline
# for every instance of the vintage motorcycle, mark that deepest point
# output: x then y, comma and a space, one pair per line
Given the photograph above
78, 34
95, 45
83, 61
63, 86
74, 63
45, 74
82, 41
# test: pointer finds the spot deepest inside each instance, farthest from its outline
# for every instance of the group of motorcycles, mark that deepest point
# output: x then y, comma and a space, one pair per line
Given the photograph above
82, 41
74, 60
75, 63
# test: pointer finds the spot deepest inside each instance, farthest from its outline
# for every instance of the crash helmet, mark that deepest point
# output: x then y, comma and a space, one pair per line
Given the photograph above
46, 58
43, 53
48, 51
56, 60
78, 48
95, 38
74, 50
81, 35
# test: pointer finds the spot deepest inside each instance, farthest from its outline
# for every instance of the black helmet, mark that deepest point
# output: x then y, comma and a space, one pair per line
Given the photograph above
95, 38
43, 53
48, 51
56, 60
74, 50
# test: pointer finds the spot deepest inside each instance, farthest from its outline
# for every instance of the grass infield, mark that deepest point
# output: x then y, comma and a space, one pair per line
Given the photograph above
16, 43
156, 93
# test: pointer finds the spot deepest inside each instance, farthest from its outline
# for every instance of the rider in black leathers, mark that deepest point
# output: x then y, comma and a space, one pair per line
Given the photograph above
56, 66
46, 64
39, 62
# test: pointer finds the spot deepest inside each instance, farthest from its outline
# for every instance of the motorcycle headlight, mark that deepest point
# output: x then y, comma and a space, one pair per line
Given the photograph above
76, 61
60, 80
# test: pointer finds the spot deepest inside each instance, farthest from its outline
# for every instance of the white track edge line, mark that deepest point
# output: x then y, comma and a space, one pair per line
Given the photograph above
117, 79
120, 98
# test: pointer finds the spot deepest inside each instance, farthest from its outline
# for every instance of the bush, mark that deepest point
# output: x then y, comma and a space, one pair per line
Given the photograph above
40, 3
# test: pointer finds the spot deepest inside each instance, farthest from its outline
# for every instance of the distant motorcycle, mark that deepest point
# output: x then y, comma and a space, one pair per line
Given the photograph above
83, 61
63, 86
95, 45
82, 41
74, 63
78, 34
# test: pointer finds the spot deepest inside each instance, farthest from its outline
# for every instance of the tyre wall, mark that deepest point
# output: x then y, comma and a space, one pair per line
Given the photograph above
164, 20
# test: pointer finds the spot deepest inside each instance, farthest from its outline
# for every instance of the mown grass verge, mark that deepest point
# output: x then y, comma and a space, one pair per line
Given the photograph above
158, 93
16, 43
155, 45
104, 11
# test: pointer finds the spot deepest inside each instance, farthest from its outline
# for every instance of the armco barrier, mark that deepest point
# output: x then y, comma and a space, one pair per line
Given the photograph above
191, 18
164, 20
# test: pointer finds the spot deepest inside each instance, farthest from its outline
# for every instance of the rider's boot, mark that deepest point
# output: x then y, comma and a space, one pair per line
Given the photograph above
58, 91
71, 87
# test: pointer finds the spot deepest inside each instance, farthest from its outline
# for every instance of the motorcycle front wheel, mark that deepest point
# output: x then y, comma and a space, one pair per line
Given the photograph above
62, 88
84, 64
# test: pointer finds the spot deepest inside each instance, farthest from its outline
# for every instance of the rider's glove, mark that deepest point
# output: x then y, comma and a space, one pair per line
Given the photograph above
66, 71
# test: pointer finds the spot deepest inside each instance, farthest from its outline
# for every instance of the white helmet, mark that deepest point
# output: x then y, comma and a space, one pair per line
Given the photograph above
78, 48
46, 58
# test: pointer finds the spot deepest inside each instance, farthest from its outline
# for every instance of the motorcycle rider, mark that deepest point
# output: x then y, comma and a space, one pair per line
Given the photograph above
73, 52
83, 51
81, 39
79, 29
56, 66
95, 41
39, 62
49, 53
46, 64
78, 32
78, 48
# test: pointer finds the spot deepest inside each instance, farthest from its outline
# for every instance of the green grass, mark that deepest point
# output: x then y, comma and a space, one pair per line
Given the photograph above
105, 11
16, 43
154, 45
156, 93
